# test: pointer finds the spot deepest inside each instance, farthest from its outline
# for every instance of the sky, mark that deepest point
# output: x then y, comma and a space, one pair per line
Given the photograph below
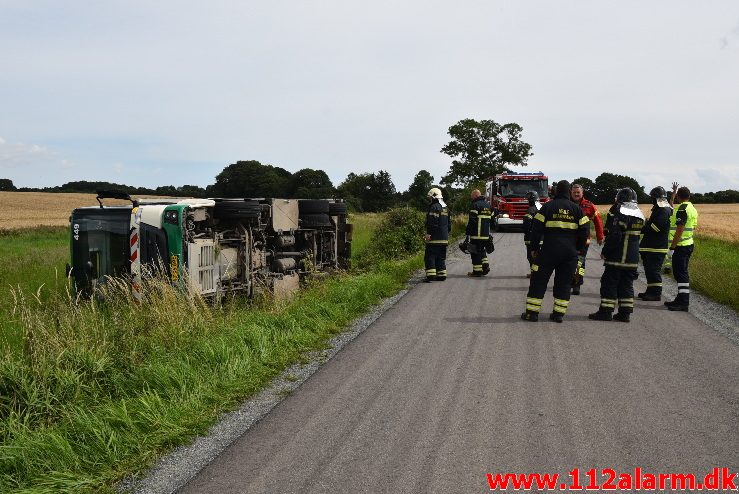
170, 93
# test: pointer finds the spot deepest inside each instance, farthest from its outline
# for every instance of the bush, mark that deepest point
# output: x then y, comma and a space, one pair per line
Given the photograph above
399, 235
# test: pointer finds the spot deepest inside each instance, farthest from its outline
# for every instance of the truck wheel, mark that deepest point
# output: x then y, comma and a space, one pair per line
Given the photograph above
313, 206
237, 209
337, 209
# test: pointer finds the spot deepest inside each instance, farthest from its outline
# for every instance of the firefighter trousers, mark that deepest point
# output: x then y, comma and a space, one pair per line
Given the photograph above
480, 263
617, 289
680, 261
579, 277
653, 262
435, 261
563, 265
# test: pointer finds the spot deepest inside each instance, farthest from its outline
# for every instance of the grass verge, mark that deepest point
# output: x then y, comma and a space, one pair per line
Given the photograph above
711, 267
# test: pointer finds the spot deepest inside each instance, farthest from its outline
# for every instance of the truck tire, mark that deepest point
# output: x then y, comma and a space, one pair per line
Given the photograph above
337, 209
237, 209
312, 206
314, 220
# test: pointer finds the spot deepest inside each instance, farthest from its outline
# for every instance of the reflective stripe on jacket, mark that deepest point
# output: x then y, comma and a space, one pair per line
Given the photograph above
438, 224
621, 246
478, 225
684, 214
561, 225
656, 231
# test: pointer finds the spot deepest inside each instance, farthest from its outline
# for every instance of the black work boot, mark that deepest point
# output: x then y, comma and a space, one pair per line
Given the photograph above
556, 316
650, 297
601, 315
576, 290
485, 269
677, 306
440, 278
622, 316
429, 279
530, 315
475, 274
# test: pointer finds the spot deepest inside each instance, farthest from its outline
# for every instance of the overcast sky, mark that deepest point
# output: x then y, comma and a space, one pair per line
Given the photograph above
157, 93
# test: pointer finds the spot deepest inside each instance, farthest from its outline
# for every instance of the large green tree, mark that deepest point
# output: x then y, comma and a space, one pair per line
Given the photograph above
251, 179
481, 149
6, 185
415, 196
606, 186
369, 192
311, 184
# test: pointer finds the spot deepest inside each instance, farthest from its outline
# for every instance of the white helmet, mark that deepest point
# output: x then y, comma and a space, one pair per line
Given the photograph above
435, 193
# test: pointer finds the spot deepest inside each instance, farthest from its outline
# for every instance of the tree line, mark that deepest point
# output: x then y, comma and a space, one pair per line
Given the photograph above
478, 149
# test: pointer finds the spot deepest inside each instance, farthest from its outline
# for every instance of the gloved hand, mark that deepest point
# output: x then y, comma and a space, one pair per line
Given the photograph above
463, 246
670, 252
467, 239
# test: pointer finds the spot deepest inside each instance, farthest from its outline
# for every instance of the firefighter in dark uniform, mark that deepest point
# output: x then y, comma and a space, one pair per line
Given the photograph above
683, 222
478, 234
559, 231
533, 197
620, 253
654, 243
438, 227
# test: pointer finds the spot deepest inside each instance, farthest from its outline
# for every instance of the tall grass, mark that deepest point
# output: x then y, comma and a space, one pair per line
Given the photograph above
32, 261
100, 390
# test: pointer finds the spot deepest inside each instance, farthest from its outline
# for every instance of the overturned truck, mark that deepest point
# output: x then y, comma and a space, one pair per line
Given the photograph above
209, 246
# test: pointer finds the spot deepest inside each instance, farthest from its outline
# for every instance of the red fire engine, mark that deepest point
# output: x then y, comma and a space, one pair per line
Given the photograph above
507, 194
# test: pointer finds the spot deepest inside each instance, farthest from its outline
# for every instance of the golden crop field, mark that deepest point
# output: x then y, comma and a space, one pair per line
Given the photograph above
714, 220
31, 209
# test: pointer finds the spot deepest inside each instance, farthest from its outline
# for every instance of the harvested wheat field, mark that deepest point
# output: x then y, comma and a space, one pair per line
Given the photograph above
31, 209
714, 220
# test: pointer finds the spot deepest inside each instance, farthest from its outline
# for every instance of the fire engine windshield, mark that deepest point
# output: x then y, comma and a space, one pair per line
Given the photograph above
519, 188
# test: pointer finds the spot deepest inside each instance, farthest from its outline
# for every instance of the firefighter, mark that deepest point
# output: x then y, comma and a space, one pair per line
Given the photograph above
620, 253
683, 222
438, 227
654, 242
534, 205
478, 234
563, 229
589, 210
667, 268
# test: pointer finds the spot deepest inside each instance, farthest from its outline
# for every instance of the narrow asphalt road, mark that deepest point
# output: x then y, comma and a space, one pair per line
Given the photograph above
450, 385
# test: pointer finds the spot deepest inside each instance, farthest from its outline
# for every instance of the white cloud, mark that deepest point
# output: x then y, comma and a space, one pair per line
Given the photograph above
19, 154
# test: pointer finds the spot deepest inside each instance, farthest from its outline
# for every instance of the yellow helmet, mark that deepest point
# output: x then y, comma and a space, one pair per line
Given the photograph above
435, 193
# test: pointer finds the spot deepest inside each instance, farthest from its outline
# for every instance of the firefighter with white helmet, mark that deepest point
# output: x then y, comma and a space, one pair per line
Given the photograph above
438, 227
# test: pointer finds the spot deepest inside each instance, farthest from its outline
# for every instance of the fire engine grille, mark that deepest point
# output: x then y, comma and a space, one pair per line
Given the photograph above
202, 265
517, 210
